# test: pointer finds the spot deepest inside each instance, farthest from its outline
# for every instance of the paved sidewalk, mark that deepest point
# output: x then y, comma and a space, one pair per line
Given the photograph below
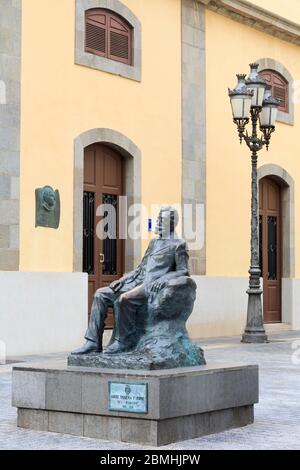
277, 416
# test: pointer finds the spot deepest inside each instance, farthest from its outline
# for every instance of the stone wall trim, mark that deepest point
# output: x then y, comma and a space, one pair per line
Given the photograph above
257, 17
194, 120
10, 110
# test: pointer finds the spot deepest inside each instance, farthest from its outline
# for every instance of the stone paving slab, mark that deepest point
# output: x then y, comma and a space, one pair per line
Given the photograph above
277, 416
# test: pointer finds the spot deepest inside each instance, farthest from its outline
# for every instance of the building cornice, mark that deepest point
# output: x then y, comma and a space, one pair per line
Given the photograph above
257, 17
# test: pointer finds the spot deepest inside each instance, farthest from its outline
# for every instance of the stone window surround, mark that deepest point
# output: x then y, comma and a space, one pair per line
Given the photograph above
86, 59
132, 169
272, 64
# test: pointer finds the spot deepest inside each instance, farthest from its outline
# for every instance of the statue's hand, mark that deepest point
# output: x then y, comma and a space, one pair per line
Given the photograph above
116, 285
158, 285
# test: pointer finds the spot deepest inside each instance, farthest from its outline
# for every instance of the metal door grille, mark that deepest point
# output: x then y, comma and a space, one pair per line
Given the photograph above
88, 231
272, 248
109, 266
261, 264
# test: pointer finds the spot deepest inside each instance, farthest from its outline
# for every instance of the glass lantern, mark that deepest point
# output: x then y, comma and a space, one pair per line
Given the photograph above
241, 99
269, 110
257, 84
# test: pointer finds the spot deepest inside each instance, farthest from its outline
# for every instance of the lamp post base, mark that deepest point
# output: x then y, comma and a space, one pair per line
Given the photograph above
254, 331
254, 337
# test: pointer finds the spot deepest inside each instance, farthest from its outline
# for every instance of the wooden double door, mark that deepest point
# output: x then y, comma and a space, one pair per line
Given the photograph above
103, 251
270, 225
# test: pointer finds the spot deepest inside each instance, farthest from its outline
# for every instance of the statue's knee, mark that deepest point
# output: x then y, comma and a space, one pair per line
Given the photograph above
99, 293
122, 300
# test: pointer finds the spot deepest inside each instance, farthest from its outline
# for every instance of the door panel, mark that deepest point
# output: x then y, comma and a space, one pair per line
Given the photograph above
90, 167
103, 258
270, 248
111, 172
272, 199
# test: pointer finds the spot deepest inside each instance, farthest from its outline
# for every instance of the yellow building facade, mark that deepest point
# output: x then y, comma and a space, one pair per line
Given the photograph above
146, 112
165, 113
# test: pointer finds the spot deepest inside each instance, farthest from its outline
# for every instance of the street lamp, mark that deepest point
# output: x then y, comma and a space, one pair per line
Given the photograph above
253, 96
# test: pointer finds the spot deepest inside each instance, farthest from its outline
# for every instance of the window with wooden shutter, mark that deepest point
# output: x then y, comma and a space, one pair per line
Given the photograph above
280, 88
108, 35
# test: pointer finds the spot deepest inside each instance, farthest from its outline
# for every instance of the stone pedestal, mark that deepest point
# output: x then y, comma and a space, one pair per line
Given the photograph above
179, 404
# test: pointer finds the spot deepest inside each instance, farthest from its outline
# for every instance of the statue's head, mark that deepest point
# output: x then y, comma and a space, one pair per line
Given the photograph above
166, 222
48, 198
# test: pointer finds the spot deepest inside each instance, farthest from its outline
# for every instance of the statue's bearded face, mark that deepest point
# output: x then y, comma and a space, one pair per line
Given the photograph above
165, 223
49, 199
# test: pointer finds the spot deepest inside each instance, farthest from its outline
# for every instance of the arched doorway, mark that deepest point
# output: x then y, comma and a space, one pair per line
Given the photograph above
270, 224
131, 159
103, 253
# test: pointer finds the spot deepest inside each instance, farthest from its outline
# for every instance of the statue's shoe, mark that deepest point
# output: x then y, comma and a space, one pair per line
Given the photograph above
115, 348
88, 348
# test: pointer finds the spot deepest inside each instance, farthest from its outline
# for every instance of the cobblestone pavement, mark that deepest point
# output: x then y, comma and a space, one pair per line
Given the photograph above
277, 416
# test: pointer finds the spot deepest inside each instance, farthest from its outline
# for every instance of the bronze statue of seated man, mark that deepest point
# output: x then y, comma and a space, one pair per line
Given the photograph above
165, 259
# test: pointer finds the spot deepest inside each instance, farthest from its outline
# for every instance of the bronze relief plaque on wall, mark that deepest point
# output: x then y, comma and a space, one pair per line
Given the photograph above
47, 212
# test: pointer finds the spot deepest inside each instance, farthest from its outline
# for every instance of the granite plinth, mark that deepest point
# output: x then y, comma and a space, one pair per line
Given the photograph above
183, 403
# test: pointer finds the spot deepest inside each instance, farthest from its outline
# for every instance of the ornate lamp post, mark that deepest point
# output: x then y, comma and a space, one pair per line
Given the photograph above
253, 96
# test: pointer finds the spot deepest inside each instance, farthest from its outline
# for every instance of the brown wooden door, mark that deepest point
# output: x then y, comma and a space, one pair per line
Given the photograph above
270, 248
103, 184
